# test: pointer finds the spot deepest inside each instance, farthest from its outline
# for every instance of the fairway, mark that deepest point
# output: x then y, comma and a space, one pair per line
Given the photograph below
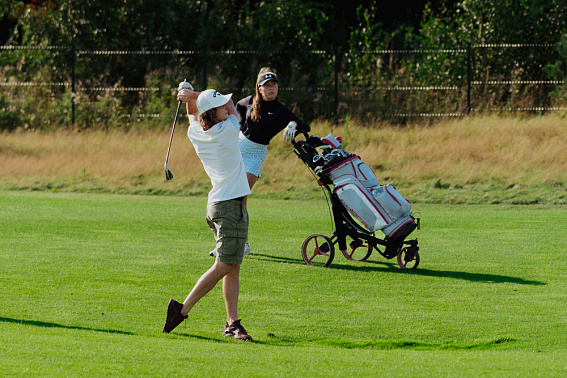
86, 279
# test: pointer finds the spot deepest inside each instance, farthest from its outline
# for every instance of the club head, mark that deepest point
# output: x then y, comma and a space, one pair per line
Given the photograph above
168, 174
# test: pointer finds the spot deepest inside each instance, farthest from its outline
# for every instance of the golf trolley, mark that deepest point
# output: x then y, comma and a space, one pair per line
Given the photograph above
360, 207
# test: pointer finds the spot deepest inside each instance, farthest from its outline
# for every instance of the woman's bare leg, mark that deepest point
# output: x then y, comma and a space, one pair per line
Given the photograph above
251, 181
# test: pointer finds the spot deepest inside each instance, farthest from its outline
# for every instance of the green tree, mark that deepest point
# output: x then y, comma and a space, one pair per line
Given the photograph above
106, 25
512, 41
558, 70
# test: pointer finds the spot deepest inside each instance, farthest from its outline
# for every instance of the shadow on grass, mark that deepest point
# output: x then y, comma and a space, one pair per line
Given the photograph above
372, 266
279, 341
384, 344
279, 259
475, 277
55, 325
273, 340
217, 340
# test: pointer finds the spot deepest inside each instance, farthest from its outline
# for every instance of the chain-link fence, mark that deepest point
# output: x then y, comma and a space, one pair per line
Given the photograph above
60, 86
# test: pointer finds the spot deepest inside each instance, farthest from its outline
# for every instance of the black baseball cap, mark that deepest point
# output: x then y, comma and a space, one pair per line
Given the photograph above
265, 77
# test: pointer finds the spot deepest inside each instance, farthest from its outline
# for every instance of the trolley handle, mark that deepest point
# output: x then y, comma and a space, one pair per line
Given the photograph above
305, 134
311, 140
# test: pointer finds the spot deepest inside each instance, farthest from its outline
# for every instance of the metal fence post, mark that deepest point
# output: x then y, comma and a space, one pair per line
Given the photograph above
73, 84
204, 67
336, 83
468, 77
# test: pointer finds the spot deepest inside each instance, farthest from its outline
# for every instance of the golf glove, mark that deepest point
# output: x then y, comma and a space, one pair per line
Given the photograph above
289, 132
185, 85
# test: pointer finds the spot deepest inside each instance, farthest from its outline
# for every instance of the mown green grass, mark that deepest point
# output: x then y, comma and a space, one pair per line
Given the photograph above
86, 279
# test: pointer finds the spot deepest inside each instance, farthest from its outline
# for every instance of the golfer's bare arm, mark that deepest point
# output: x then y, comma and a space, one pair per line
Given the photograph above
190, 99
231, 108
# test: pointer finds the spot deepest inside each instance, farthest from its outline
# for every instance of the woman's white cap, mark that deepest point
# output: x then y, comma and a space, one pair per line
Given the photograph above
211, 99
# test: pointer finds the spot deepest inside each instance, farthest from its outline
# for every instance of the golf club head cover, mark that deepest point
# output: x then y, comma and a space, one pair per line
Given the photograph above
331, 141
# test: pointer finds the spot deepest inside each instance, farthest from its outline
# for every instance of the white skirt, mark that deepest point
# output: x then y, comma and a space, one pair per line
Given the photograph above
253, 155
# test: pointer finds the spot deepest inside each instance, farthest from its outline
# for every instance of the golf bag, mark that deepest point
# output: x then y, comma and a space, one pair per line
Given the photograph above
377, 207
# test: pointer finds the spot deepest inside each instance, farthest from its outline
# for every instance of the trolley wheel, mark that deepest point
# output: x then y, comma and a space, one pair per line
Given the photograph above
408, 258
318, 250
359, 249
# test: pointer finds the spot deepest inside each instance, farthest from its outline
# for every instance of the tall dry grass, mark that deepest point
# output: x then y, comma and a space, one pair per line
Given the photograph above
507, 151
97, 159
472, 150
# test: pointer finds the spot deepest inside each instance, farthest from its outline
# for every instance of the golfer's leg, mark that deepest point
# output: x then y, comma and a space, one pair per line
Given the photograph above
205, 284
230, 289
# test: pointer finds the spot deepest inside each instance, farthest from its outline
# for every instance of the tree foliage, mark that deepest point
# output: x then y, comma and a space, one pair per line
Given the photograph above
558, 70
227, 41
527, 29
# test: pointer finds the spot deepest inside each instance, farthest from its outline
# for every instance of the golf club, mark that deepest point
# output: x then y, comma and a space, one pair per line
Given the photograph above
183, 85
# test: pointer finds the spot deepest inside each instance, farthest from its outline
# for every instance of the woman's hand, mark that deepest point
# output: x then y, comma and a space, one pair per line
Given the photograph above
289, 132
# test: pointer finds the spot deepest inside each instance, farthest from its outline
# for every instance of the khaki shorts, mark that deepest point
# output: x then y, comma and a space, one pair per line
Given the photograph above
229, 222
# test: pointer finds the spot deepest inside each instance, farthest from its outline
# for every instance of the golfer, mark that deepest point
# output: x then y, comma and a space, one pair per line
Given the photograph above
213, 131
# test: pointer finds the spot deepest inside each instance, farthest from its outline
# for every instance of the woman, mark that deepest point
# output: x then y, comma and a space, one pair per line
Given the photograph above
262, 116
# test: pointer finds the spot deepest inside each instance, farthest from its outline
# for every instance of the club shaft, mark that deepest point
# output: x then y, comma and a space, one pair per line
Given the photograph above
172, 131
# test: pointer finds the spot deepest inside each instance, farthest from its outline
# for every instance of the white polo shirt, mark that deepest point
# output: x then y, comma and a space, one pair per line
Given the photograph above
219, 152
